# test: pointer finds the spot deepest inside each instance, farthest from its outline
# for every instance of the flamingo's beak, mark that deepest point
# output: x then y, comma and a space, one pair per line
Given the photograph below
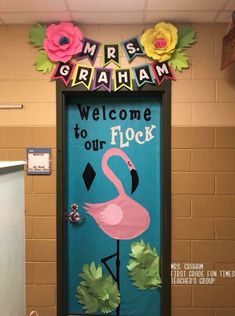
135, 180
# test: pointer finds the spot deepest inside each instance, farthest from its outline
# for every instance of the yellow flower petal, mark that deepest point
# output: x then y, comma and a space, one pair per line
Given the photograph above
165, 57
145, 36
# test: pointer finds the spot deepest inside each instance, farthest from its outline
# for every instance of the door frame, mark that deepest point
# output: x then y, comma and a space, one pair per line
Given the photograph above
62, 92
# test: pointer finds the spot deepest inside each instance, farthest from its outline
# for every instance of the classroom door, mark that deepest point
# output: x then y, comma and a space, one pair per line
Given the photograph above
113, 185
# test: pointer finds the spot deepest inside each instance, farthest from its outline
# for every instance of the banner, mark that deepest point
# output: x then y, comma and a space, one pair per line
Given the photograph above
111, 54
132, 48
103, 78
83, 75
60, 43
122, 78
143, 74
162, 71
90, 50
64, 71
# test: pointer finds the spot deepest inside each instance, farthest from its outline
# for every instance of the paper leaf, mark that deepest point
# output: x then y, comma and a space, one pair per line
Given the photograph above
143, 266
178, 60
186, 38
37, 35
43, 63
97, 291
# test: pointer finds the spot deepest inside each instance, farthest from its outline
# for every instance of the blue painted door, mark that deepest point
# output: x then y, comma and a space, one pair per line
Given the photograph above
94, 125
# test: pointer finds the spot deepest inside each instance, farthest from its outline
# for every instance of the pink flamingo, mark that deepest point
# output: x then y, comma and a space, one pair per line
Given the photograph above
120, 218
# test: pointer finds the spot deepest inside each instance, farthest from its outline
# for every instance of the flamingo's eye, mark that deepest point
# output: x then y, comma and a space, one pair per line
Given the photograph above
129, 164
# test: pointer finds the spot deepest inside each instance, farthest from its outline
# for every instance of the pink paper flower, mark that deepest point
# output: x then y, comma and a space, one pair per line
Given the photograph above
62, 41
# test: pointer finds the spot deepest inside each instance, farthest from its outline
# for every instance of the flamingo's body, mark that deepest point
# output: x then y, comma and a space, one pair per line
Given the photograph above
120, 218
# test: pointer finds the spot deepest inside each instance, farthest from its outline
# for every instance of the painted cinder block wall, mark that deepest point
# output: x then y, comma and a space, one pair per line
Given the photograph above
203, 164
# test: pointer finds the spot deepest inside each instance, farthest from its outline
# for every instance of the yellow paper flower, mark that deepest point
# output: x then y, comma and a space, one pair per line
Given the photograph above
159, 42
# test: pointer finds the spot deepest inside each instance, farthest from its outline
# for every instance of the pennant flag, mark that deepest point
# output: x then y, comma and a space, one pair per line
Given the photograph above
162, 71
90, 50
122, 78
64, 71
103, 78
83, 75
132, 48
143, 74
111, 54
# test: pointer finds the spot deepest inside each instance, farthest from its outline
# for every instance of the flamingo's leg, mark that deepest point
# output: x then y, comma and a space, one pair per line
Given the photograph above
104, 261
117, 277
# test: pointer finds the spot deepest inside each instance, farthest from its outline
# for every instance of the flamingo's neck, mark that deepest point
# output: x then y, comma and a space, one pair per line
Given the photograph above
108, 172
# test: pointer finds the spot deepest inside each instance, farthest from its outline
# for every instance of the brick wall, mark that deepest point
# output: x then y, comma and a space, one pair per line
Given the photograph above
203, 217
203, 164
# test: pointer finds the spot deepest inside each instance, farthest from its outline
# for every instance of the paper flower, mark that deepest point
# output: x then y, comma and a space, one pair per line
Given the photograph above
144, 266
62, 41
97, 291
159, 42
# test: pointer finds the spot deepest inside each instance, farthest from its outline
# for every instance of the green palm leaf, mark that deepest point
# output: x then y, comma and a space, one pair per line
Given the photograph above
37, 35
43, 63
143, 266
178, 60
186, 38
97, 291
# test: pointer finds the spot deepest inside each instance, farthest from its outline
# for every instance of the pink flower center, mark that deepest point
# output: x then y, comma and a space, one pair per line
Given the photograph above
160, 43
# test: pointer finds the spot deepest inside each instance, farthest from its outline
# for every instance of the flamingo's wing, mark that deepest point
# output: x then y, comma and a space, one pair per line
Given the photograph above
94, 206
111, 215
106, 214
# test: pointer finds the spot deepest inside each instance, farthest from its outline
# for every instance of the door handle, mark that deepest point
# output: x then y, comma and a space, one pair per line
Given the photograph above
74, 216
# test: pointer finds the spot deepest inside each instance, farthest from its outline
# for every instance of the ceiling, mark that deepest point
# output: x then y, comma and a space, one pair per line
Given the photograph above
115, 11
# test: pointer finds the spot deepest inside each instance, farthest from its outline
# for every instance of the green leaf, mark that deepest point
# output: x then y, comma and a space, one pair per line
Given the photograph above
97, 291
37, 35
143, 266
95, 273
43, 63
178, 60
186, 38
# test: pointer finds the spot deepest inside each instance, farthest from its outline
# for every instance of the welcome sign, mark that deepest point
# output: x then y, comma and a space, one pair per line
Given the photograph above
119, 137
